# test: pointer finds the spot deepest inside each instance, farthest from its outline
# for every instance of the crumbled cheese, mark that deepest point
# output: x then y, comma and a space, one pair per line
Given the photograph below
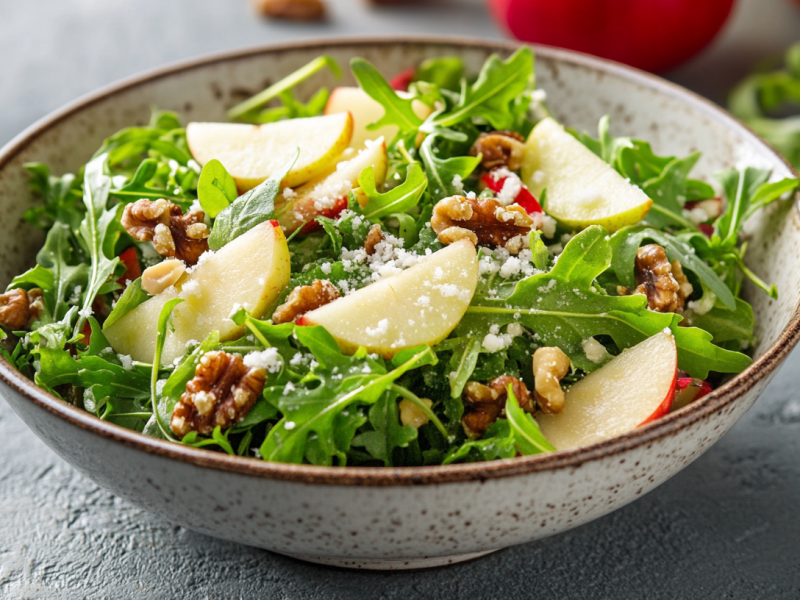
190, 343
289, 194
548, 226
512, 186
289, 425
705, 304
127, 362
85, 312
590, 198
325, 268
423, 301
450, 289
538, 96
192, 164
595, 351
288, 388
458, 184
381, 329
511, 267
203, 258
268, 359
495, 341
234, 309
696, 215
191, 289
514, 329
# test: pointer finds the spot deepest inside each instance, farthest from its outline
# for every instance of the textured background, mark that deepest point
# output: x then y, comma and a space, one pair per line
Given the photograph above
726, 527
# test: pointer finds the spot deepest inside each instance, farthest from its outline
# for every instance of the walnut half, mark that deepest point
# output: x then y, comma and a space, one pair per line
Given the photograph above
483, 221
550, 365
499, 149
303, 299
664, 283
19, 308
174, 234
484, 403
222, 392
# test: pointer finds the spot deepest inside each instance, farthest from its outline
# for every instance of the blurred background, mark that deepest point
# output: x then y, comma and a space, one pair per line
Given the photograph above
727, 526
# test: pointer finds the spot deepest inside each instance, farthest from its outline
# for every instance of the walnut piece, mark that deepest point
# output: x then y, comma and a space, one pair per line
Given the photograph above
298, 10
374, 237
222, 392
483, 221
305, 298
484, 403
664, 284
550, 365
174, 234
159, 277
500, 149
19, 308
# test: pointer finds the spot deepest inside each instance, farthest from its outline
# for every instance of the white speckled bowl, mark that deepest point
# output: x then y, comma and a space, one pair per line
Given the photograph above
411, 517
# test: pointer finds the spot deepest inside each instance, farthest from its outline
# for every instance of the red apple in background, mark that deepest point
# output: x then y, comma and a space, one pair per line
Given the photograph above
653, 35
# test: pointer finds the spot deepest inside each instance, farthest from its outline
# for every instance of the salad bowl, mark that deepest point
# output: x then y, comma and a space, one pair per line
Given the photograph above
413, 517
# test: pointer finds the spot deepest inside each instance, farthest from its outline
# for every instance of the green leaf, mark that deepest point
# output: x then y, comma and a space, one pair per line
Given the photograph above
132, 297
161, 415
626, 242
768, 193
563, 308
252, 105
527, 437
497, 86
397, 111
445, 72
462, 363
248, 210
387, 433
740, 186
668, 192
497, 442
726, 325
697, 355
216, 189
398, 200
442, 171
137, 187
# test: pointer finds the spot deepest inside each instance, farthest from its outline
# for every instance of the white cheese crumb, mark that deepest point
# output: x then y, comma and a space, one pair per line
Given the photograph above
325, 268
289, 388
191, 289
511, 267
381, 329
705, 304
595, 351
127, 362
512, 186
548, 226
289, 425
458, 184
268, 359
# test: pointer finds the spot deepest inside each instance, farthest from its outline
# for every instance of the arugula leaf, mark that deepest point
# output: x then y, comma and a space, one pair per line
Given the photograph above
497, 442
397, 111
336, 383
132, 297
527, 437
137, 187
160, 415
61, 196
668, 193
442, 171
625, 243
387, 433
740, 186
564, 309
249, 107
398, 200
463, 362
94, 229
216, 189
726, 325
248, 210
445, 72
498, 84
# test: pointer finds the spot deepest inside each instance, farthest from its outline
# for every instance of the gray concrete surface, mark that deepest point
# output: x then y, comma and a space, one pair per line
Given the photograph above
726, 527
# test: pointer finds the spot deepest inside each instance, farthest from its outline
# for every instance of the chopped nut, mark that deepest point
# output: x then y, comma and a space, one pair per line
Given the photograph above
412, 415
19, 308
550, 365
484, 403
665, 286
301, 10
500, 149
483, 221
374, 237
222, 392
304, 299
159, 277
173, 234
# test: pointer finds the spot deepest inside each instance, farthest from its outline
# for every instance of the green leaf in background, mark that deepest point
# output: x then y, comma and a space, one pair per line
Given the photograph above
527, 437
397, 111
498, 84
216, 189
626, 242
248, 210
246, 109
387, 433
445, 72
132, 297
398, 200
61, 197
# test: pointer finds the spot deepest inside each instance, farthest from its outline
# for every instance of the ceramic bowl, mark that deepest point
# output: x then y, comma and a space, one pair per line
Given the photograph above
385, 518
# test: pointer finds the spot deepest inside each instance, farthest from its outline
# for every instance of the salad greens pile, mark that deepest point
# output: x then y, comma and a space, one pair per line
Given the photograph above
325, 407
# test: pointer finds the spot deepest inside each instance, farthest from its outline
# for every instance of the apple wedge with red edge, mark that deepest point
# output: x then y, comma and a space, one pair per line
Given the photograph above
633, 388
253, 153
420, 305
249, 272
328, 194
365, 110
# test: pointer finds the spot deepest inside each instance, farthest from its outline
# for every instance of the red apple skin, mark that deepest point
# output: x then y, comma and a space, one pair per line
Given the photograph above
653, 35
403, 80
664, 407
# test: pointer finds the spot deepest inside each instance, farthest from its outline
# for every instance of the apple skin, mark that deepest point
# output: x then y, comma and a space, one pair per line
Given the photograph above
646, 34
252, 271
632, 389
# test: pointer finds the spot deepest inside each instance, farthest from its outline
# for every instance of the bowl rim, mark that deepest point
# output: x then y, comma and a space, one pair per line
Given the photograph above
668, 425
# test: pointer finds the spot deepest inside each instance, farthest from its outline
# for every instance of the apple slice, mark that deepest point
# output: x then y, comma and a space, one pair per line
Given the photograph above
421, 305
327, 195
365, 110
630, 390
582, 189
251, 271
252, 153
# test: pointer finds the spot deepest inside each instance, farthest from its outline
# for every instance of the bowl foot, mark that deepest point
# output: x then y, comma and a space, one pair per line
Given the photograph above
392, 564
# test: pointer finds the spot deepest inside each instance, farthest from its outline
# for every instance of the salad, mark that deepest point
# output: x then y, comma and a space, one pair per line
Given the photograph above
422, 271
